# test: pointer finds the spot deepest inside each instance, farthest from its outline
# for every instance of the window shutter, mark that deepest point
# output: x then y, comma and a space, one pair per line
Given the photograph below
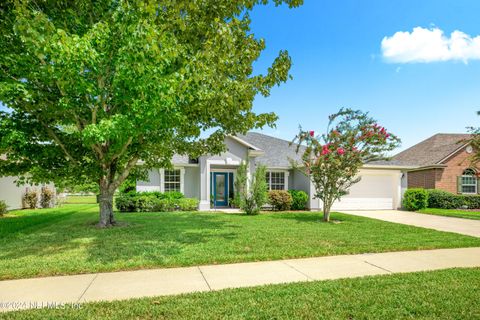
459, 184
478, 185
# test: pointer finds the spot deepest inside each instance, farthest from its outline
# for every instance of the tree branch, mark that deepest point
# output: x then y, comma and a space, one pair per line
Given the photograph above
124, 149
130, 165
58, 141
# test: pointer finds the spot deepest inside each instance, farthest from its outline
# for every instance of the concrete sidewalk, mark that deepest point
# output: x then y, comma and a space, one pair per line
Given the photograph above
467, 227
31, 293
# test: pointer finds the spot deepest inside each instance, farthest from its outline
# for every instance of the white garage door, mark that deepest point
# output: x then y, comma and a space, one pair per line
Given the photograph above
373, 192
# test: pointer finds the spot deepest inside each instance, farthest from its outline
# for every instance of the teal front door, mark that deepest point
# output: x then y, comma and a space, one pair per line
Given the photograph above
220, 189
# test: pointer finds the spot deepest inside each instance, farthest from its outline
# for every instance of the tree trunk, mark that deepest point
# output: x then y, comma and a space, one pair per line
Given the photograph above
326, 212
106, 206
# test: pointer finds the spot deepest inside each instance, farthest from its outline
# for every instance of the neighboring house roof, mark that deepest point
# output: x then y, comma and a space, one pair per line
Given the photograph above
277, 152
432, 151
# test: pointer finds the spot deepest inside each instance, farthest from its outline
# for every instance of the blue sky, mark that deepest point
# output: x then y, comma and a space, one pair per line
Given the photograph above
336, 47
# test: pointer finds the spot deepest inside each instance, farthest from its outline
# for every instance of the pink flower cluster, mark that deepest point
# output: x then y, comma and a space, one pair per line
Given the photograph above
326, 150
375, 131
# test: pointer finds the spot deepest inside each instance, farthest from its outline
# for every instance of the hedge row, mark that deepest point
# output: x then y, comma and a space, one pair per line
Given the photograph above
155, 202
416, 199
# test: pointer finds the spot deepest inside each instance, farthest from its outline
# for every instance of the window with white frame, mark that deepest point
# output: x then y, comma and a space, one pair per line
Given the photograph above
172, 180
275, 180
469, 181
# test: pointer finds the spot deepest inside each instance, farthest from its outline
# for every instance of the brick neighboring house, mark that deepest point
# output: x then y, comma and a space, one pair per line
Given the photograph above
441, 162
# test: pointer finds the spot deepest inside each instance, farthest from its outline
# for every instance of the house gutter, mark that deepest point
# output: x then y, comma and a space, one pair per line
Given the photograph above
433, 166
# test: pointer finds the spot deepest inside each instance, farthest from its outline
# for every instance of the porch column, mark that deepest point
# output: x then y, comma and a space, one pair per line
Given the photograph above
162, 180
397, 191
204, 184
182, 180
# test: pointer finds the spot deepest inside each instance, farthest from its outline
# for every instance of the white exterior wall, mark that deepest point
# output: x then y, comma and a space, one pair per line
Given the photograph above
10, 193
300, 181
156, 181
192, 182
152, 183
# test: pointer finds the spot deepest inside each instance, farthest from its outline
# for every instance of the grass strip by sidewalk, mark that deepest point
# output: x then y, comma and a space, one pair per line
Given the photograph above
445, 294
456, 213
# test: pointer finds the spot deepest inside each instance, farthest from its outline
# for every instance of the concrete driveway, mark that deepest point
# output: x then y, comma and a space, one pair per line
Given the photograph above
457, 225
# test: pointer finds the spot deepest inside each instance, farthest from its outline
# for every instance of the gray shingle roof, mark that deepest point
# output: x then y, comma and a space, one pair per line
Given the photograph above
278, 152
179, 159
430, 151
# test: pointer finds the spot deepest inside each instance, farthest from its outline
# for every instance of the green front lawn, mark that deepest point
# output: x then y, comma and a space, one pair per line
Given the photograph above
446, 294
65, 240
475, 215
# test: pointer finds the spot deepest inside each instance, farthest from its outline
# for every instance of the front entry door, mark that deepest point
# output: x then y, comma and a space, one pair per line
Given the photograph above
220, 189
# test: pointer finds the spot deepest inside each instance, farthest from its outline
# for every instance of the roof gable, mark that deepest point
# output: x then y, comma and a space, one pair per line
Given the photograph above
277, 152
432, 151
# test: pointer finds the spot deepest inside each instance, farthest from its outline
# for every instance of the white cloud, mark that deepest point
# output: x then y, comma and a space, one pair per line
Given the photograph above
430, 45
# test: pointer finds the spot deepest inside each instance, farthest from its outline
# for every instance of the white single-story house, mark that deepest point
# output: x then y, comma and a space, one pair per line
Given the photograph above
210, 178
11, 193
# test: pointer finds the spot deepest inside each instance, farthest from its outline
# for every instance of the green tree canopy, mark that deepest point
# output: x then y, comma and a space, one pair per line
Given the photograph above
92, 87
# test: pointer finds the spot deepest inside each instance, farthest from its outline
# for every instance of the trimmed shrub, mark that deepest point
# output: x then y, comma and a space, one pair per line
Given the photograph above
444, 200
172, 195
299, 199
47, 197
3, 208
415, 199
187, 204
471, 201
30, 198
126, 203
154, 202
280, 200
161, 205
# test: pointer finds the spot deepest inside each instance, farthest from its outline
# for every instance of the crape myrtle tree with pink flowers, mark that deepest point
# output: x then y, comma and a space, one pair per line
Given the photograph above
332, 160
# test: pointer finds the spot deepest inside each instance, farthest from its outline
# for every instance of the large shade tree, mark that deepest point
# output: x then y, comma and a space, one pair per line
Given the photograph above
333, 159
92, 87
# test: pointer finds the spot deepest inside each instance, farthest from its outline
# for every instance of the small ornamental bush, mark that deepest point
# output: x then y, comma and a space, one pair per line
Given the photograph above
445, 200
415, 199
280, 200
299, 199
161, 205
30, 198
251, 191
47, 197
172, 195
3, 208
471, 201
